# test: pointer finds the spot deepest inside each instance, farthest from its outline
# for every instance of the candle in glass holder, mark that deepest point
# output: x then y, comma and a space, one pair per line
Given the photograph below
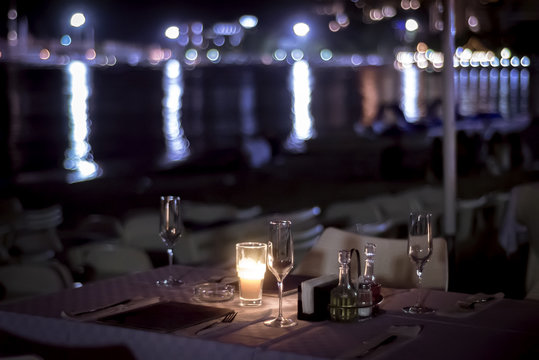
251, 267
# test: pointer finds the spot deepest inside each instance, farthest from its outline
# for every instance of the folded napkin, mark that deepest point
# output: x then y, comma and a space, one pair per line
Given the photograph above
395, 334
471, 305
307, 291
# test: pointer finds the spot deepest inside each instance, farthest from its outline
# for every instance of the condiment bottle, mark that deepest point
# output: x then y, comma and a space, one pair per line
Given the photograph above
367, 278
343, 298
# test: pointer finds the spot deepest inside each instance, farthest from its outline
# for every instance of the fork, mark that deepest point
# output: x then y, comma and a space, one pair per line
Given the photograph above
227, 319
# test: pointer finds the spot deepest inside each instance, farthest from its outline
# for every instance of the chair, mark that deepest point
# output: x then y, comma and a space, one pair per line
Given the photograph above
141, 230
99, 227
95, 261
469, 217
10, 215
304, 240
349, 213
18, 281
393, 267
216, 245
523, 212
430, 198
36, 236
206, 214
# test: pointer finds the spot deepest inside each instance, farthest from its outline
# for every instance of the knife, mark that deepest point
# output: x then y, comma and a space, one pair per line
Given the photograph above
387, 340
100, 308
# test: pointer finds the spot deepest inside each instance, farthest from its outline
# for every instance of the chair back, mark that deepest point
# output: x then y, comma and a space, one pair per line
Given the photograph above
141, 230
216, 245
100, 227
392, 268
36, 237
18, 281
526, 205
102, 260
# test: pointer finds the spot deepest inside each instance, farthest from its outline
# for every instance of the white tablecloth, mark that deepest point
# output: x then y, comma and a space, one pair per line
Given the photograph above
502, 329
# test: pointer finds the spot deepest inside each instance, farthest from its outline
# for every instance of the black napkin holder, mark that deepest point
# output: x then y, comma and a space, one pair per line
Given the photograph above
321, 295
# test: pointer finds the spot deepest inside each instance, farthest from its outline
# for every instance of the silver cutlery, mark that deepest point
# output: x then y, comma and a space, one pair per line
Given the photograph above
99, 308
471, 304
227, 319
387, 340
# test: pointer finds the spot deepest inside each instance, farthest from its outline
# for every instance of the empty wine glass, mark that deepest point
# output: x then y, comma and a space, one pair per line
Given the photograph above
280, 262
419, 251
170, 231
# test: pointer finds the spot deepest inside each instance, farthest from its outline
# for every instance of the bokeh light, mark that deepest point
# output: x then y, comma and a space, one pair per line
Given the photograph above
248, 21
172, 32
301, 29
77, 19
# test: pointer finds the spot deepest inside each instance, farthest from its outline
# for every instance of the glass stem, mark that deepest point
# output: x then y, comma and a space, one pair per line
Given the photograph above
419, 286
280, 287
170, 256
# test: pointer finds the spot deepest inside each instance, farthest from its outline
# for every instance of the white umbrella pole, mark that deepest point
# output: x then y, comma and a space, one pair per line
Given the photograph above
449, 149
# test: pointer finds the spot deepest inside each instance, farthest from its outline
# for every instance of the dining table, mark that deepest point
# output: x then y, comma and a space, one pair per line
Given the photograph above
461, 327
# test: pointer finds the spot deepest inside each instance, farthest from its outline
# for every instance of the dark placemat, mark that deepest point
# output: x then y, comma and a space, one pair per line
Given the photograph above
166, 316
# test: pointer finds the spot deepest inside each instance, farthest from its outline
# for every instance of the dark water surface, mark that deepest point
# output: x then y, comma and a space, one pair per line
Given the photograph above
99, 121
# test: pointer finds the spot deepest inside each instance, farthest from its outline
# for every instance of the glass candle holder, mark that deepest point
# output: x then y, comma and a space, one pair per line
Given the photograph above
251, 267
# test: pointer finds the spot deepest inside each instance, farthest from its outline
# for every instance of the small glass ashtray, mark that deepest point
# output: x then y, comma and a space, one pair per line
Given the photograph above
213, 292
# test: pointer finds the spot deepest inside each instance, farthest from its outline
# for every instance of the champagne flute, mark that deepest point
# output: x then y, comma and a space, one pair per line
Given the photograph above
280, 262
170, 231
419, 251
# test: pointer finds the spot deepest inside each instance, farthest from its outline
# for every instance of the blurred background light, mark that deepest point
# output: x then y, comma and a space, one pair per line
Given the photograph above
248, 21
12, 14
279, 55
411, 25
65, 40
172, 32
326, 54
77, 19
297, 54
301, 29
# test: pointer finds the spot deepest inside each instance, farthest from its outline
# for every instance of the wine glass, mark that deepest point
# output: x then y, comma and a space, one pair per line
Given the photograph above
170, 230
280, 262
419, 251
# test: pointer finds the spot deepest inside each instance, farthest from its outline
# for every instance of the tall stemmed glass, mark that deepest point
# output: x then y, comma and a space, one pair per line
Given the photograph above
280, 262
419, 251
170, 231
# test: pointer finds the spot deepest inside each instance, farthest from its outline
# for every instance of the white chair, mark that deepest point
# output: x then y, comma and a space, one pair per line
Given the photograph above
393, 268
36, 236
205, 214
141, 230
430, 198
101, 260
100, 227
469, 217
19, 281
216, 245
523, 211
347, 214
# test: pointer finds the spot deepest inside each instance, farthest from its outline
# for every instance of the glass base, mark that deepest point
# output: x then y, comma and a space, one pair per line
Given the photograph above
280, 322
418, 310
169, 282
250, 302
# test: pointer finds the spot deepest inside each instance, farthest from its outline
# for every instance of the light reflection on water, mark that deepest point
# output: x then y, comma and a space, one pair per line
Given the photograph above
500, 93
410, 94
301, 106
78, 157
177, 146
